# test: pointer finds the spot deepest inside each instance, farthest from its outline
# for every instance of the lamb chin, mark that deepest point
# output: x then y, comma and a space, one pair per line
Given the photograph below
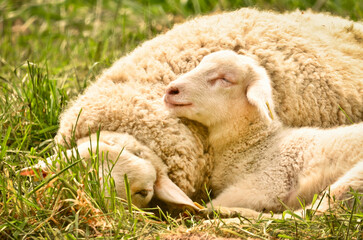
181, 111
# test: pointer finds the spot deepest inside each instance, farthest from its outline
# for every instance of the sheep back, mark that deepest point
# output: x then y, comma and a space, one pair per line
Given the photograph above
315, 61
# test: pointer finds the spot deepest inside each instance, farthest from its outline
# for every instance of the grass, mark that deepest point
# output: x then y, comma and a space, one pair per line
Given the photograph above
49, 52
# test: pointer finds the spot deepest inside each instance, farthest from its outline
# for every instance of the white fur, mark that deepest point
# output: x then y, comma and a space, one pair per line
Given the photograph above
258, 162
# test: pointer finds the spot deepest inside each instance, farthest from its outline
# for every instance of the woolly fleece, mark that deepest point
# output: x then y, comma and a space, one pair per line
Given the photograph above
312, 75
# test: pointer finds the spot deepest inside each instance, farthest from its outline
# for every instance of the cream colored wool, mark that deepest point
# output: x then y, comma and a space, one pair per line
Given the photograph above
258, 162
313, 59
311, 77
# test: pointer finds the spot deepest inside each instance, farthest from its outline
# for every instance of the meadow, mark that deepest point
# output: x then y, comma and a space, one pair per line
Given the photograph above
50, 51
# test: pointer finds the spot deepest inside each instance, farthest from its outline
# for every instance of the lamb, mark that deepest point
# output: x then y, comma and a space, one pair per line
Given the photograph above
258, 161
126, 98
146, 173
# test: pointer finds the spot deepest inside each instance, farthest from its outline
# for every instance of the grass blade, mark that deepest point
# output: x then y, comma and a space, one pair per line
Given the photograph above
46, 181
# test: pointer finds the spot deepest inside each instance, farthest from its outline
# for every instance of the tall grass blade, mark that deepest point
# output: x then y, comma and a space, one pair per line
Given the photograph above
128, 194
346, 115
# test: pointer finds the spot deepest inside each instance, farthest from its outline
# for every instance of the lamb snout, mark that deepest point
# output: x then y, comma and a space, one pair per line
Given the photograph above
172, 90
175, 97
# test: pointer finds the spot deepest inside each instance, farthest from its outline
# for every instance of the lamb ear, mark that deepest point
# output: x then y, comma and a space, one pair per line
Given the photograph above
259, 93
169, 192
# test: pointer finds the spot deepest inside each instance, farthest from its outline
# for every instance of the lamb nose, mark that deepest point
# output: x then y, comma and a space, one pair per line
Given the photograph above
173, 91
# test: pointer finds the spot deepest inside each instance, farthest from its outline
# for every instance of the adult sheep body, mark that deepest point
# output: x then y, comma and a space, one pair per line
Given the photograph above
308, 86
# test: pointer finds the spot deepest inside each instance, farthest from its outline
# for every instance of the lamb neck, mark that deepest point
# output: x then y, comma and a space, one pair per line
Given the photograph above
247, 134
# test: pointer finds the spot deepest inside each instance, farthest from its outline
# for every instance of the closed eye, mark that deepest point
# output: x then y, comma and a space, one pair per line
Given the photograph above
143, 193
221, 81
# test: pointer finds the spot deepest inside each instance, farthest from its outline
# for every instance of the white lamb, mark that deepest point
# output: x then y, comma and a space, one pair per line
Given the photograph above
259, 162
146, 172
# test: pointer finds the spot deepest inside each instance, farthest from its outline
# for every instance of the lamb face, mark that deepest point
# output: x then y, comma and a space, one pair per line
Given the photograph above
141, 175
222, 87
146, 173
130, 158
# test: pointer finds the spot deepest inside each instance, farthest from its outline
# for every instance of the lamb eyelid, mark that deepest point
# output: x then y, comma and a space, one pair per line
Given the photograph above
143, 193
226, 80
218, 78
214, 80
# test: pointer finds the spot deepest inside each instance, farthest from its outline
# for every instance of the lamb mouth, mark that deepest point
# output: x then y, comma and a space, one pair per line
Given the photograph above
171, 103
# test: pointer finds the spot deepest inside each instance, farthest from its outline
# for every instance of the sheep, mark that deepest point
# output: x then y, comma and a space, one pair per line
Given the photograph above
126, 98
146, 173
258, 161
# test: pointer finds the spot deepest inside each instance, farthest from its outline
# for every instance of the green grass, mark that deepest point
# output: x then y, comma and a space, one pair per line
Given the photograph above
49, 52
